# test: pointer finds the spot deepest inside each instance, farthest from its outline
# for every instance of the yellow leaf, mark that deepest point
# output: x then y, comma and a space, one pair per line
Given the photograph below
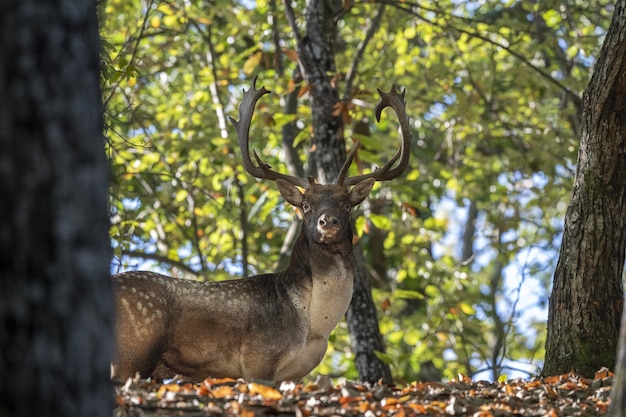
167, 387
170, 20
155, 22
264, 391
467, 308
252, 62
204, 21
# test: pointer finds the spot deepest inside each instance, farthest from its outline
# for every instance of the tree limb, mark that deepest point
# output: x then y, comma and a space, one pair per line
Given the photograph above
161, 259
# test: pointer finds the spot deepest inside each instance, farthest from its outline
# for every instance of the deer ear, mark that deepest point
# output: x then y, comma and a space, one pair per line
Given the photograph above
361, 190
290, 192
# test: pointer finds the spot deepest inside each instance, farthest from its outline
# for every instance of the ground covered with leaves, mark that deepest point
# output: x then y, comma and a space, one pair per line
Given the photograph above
563, 395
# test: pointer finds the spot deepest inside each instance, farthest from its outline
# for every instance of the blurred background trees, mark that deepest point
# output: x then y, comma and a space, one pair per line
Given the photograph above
460, 251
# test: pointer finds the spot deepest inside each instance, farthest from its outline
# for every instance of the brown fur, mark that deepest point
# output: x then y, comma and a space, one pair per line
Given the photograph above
273, 326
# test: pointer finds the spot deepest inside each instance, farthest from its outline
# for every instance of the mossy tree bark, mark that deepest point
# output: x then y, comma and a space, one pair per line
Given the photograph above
587, 296
55, 299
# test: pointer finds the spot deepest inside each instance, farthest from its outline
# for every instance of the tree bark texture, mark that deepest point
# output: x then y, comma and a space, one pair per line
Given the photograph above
362, 321
316, 54
587, 296
55, 299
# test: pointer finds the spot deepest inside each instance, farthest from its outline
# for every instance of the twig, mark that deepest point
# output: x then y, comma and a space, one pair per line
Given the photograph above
371, 31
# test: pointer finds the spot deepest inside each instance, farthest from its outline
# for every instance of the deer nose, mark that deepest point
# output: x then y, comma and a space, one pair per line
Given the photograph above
327, 221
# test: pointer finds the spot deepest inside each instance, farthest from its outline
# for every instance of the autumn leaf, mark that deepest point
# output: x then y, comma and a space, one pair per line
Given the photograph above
603, 373
252, 62
341, 109
291, 54
167, 388
266, 392
547, 397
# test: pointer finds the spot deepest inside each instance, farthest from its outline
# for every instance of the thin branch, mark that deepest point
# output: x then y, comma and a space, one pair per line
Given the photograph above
278, 64
133, 54
371, 31
291, 18
196, 235
213, 88
243, 224
401, 6
159, 258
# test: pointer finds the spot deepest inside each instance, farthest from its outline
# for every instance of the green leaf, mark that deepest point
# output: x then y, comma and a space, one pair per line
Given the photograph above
384, 356
408, 294
467, 308
380, 221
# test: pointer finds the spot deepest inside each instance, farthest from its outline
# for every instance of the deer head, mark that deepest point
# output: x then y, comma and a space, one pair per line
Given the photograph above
288, 185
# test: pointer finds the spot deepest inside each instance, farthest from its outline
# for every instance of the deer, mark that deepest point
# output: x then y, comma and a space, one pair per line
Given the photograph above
273, 326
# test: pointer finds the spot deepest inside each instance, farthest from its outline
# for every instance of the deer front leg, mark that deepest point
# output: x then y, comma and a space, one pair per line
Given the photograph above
297, 363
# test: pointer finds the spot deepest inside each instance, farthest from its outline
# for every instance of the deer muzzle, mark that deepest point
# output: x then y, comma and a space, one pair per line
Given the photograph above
328, 227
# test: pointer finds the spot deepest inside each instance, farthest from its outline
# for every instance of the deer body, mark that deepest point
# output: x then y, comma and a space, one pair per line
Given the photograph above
272, 326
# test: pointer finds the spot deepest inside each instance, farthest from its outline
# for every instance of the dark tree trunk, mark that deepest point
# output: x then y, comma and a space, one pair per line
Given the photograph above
55, 301
587, 296
363, 327
316, 54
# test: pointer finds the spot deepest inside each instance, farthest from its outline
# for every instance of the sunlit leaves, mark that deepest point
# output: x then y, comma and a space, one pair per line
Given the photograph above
491, 94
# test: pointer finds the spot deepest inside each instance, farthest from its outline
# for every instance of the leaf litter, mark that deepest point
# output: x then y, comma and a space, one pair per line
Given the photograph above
555, 396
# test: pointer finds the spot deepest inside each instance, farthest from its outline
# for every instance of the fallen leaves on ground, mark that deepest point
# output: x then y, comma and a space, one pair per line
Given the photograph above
563, 395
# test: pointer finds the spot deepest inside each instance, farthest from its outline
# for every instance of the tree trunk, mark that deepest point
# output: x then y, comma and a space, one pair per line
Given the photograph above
363, 327
316, 54
55, 300
587, 296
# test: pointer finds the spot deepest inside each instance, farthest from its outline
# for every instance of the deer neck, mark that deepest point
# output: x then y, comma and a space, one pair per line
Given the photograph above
322, 280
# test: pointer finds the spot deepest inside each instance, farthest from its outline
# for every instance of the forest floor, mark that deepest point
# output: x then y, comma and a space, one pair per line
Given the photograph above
564, 395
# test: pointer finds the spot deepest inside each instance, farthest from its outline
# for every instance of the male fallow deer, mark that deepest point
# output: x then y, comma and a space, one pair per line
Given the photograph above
271, 326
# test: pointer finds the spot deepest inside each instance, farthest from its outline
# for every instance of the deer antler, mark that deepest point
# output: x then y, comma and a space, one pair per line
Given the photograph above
262, 170
396, 101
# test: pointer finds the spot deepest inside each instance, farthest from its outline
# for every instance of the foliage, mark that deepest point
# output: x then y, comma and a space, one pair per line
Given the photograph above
457, 247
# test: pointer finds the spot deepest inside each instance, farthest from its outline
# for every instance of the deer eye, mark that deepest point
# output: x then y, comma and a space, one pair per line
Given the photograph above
347, 207
306, 206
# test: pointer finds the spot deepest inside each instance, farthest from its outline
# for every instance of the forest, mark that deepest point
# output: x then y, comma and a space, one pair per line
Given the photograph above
460, 251
488, 276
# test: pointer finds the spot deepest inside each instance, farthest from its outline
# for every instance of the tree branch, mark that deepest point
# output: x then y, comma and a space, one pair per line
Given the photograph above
161, 259
573, 96
291, 18
133, 54
371, 31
